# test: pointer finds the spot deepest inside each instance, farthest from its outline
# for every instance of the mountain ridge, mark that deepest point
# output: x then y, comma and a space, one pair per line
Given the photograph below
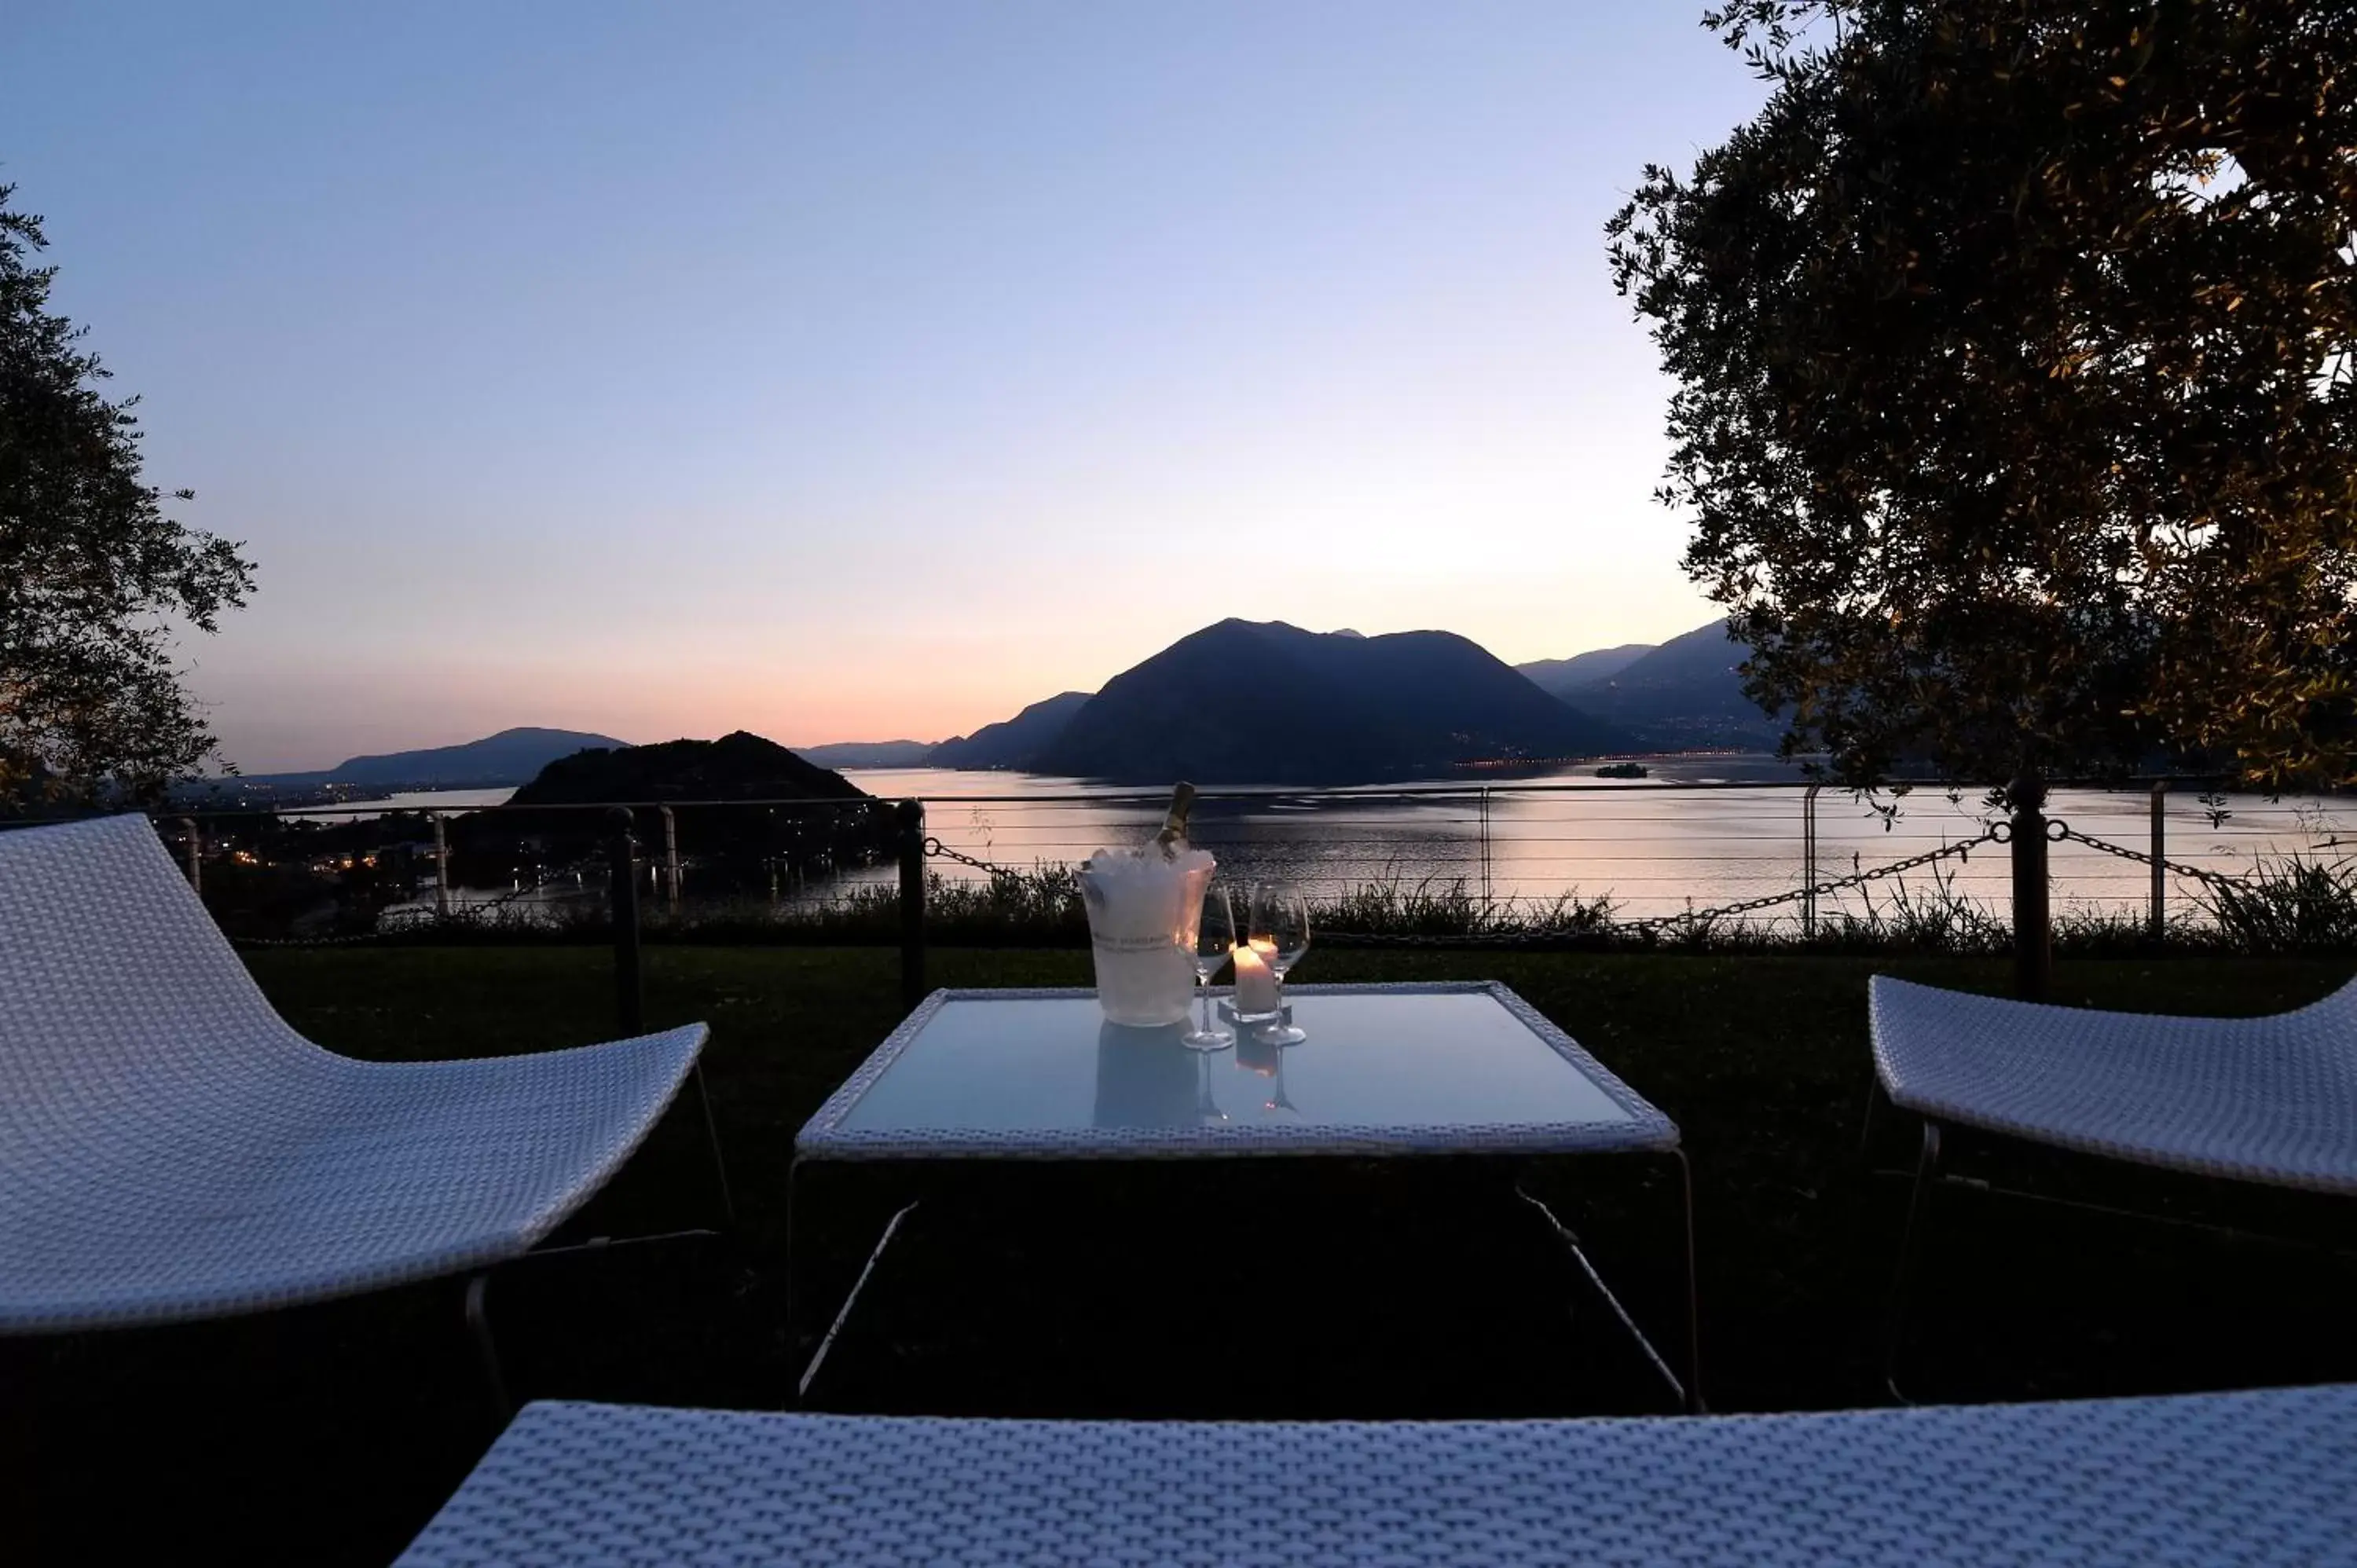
1269, 701
1684, 695
867, 753
1013, 743
1557, 677
510, 756
739, 765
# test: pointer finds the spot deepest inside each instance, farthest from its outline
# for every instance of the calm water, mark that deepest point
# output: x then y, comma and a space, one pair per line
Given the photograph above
410, 800
1651, 850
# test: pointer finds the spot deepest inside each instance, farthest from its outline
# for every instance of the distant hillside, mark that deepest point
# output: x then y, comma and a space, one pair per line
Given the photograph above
726, 849
867, 753
739, 767
1244, 701
510, 757
1015, 743
1684, 695
1559, 677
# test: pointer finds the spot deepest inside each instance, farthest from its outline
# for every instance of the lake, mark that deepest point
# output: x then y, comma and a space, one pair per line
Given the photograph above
405, 800
1738, 834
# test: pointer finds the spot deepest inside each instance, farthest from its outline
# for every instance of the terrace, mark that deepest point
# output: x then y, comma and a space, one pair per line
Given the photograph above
331, 1433
1670, 1160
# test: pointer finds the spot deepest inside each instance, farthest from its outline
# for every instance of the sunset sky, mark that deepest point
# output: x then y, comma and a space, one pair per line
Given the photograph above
862, 371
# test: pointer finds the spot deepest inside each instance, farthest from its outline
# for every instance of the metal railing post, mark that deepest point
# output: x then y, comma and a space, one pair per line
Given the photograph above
1485, 899
441, 867
192, 840
630, 997
2159, 919
2033, 941
911, 817
1809, 861
671, 861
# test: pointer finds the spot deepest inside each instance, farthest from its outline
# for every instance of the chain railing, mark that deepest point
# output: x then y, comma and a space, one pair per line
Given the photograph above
2175, 867
1804, 892
2029, 834
1998, 833
936, 850
1675, 854
1653, 855
1510, 859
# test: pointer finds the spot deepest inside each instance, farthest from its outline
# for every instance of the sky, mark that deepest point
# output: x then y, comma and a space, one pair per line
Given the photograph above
862, 371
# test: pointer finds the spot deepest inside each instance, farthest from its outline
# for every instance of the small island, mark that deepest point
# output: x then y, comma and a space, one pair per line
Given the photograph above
1621, 770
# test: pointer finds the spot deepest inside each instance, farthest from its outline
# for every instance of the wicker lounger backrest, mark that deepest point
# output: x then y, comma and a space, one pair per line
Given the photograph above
111, 973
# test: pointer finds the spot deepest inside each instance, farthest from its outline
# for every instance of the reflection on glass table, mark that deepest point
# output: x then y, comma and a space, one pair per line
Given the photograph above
1448, 1069
1040, 1075
1145, 1077
1261, 1052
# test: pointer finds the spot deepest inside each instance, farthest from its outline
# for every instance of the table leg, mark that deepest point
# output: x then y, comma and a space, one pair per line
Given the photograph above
793, 1256
1695, 1404
810, 1371
1910, 1240
1688, 1390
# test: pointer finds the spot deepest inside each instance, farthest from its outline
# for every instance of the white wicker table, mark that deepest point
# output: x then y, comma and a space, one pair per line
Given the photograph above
1459, 1068
2266, 1477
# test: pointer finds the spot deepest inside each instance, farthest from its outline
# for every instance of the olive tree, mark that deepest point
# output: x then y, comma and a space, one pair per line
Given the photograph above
95, 580
2014, 400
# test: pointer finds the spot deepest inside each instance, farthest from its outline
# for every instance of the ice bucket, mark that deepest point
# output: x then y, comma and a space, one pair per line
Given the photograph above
1143, 914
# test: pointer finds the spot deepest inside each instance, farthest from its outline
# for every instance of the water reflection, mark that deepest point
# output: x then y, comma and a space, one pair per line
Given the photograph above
1262, 1054
1653, 852
1148, 1078
1207, 1110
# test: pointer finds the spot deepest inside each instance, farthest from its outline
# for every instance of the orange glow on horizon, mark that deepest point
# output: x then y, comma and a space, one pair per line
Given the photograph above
795, 690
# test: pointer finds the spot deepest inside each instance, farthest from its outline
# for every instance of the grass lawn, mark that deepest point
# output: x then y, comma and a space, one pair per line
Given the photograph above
1403, 1289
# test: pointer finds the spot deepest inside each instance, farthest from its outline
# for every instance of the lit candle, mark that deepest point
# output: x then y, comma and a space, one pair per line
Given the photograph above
1255, 982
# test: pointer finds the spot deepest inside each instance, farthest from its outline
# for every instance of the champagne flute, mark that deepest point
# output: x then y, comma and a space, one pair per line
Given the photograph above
1282, 916
1208, 944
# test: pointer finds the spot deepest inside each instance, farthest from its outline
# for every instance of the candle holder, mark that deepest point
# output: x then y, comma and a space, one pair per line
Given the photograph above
1256, 997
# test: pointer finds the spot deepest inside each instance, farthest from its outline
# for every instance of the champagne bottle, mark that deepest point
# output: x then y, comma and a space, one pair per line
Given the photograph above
1171, 842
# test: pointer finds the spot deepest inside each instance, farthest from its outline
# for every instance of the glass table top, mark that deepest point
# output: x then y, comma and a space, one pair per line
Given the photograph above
1437, 1068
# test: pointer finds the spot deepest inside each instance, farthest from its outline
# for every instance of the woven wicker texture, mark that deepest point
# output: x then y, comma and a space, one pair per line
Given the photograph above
2245, 1479
2266, 1099
170, 1149
825, 1136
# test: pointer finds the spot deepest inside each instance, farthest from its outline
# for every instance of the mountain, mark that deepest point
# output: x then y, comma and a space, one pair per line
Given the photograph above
727, 849
1246, 701
510, 757
867, 753
737, 767
1015, 743
1684, 696
1559, 677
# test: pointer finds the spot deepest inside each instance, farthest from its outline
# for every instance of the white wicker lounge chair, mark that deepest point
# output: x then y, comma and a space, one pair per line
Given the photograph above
2264, 1100
2270, 1100
2211, 1479
170, 1149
